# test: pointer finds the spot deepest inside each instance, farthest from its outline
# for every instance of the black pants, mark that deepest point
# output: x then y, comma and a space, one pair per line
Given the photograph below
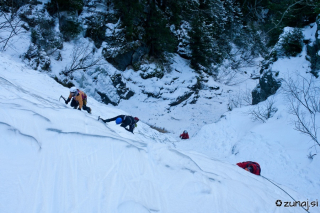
75, 104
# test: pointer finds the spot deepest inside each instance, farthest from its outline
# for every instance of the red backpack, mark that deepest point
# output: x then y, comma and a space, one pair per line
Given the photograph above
255, 166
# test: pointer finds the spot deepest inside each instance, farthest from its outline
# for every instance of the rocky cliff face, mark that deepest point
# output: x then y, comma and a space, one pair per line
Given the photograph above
314, 51
268, 85
94, 45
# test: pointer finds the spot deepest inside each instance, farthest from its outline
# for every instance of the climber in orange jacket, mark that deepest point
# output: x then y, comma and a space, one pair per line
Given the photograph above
79, 98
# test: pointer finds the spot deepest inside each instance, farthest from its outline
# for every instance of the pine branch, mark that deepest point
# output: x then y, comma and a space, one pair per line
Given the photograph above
284, 13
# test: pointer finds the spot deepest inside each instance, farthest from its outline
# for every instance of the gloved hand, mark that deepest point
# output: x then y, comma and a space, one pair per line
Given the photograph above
67, 101
79, 108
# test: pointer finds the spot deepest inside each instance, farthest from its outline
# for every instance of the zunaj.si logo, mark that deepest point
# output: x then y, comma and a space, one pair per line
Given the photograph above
304, 204
278, 203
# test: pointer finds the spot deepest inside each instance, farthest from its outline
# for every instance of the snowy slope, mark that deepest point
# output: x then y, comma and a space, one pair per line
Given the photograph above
56, 159
154, 95
281, 151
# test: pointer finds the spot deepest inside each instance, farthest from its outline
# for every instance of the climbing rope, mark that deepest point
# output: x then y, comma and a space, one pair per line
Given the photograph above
284, 192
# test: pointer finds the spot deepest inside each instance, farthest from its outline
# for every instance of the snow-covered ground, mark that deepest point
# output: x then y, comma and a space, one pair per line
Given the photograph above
281, 150
57, 159
192, 114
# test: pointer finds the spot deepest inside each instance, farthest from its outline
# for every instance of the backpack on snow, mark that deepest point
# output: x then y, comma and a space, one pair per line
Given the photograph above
256, 166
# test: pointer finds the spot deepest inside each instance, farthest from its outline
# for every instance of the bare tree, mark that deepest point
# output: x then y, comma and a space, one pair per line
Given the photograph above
83, 57
304, 102
290, 7
10, 26
239, 99
229, 73
264, 111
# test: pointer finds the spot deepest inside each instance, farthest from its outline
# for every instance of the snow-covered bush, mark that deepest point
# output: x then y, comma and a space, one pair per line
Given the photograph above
291, 43
96, 29
158, 72
45, 40
37, 58
70, 28
183, 39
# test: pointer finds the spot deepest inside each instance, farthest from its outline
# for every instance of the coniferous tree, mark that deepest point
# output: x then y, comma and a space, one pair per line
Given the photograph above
207, 35
145, 21
233, 19
64, 5
173, 9
200, 44
273, 16
131, 14
292, 13
158, 36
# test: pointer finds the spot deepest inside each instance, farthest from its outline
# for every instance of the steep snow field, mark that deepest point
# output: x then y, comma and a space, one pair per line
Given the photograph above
280, 150
236, 133
57, 159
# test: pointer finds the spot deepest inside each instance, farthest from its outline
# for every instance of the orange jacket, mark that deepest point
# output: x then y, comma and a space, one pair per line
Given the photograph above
81, 98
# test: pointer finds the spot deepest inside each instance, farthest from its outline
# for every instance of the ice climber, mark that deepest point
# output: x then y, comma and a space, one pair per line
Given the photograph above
79, 98
184, 135
124, 121
250, 166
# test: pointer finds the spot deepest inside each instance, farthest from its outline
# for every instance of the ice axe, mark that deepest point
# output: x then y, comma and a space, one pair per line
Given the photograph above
62, 98
104, 121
